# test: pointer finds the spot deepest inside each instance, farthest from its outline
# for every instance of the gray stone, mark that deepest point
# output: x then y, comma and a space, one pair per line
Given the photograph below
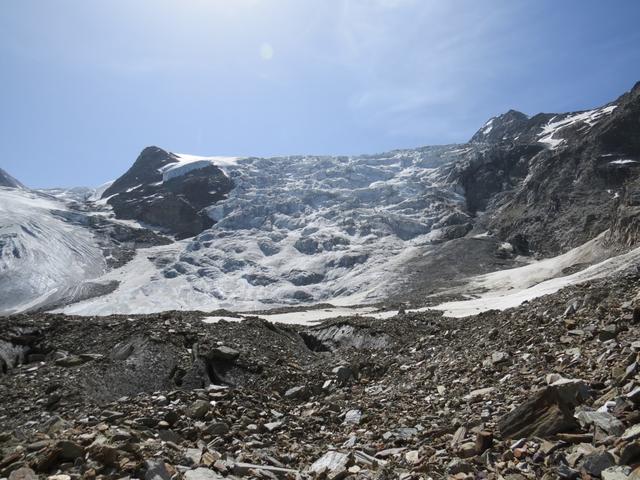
616, 473
630, 453
571, 390
479, 394
242, 468
547, 411
23, 473
198, 409
332, 465
193, 456
412, 457
217, 428
69, 450
631, 433
202, 473
156, 470
605, 421
458, 465
566, 472
499, 357
301, 392
343, 374
224, 353
353, 417
607, 333
406, 433
70, 361
634, 395
272, 426
596, 462
122, 351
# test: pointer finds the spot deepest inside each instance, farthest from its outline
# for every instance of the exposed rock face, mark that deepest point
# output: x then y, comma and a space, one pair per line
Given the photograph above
176, 204
495, 171
558, 197
502, 128
7, 180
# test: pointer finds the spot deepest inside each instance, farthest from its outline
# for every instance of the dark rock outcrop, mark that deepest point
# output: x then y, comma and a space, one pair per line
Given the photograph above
176, 204
563, 192
7, 180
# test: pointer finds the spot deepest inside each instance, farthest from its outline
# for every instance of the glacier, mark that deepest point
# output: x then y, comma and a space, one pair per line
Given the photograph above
43, 255
297, 230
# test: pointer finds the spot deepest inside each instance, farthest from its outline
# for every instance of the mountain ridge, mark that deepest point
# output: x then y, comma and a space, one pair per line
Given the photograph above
257, 233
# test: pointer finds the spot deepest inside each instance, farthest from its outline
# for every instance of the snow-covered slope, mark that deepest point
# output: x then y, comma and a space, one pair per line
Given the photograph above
299, 230
186, 163
42, 254
509, 288
551, 132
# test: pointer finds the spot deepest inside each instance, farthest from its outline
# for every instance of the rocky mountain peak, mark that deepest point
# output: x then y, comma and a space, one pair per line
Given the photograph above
145, 170
502, 128
7, 180
169, 191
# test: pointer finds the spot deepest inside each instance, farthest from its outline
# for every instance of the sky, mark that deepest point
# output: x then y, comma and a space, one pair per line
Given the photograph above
85, 85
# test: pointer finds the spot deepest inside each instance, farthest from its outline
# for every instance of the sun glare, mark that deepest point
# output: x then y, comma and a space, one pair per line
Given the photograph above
266, 51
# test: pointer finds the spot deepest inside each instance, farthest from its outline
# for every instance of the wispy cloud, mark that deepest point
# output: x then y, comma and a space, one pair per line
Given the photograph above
415, 59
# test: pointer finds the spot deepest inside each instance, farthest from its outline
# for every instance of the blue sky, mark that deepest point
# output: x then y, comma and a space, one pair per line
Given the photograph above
86, 84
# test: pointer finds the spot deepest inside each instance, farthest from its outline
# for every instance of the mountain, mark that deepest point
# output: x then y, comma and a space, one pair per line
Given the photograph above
180, 231
582, 183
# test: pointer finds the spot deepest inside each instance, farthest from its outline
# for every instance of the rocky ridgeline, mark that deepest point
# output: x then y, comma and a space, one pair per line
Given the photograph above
547, 390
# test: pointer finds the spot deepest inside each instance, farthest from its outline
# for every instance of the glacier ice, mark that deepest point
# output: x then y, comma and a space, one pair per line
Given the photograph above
297, 229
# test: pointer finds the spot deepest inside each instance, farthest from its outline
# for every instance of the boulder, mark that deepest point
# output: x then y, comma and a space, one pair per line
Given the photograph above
596, 462
300, 392
631, 433
198, 409
343, 374
224, 353
332, 465
68, 450
616, 473
353, 417
603, 420
23, 473
217, 428
547, 412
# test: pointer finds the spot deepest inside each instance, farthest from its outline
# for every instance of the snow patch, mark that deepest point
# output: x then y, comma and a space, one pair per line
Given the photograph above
98, 191
214, 319
548, 134
486, 130
625, 161
510, 288
187, 163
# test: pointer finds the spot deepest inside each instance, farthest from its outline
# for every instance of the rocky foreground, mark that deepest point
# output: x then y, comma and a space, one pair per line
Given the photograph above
548, 390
